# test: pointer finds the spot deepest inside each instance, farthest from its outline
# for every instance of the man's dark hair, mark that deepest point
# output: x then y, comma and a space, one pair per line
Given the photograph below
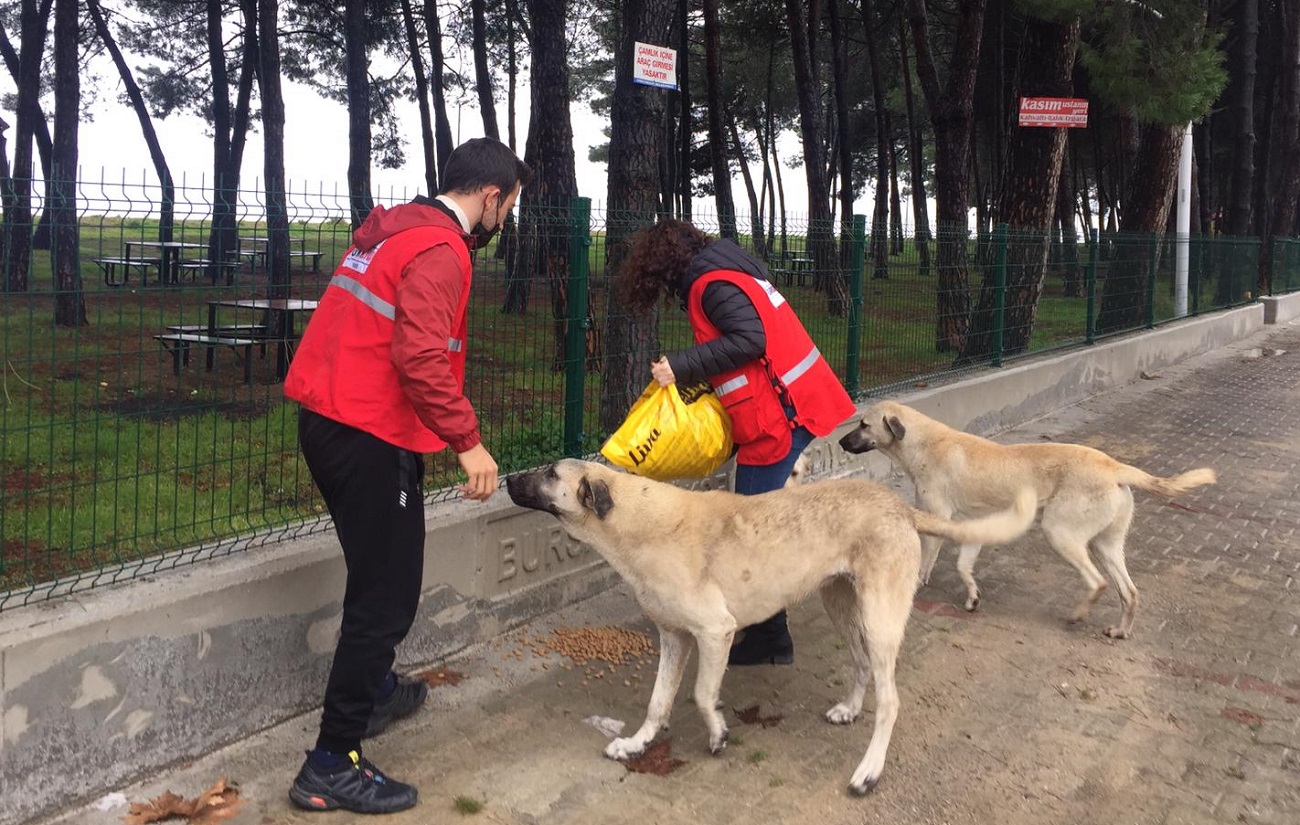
484, 162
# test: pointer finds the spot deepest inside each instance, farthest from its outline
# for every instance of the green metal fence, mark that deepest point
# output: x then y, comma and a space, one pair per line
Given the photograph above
119, 459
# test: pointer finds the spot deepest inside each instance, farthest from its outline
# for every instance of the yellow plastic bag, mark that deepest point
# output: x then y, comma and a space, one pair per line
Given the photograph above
672, 433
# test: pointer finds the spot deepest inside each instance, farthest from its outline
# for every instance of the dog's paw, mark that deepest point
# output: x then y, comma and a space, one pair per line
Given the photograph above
1116, 632
718, 745
841, 714
865, 787
972, 604
624, 749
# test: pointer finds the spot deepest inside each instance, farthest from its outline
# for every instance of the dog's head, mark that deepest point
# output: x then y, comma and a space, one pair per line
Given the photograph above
881, 428
573, 491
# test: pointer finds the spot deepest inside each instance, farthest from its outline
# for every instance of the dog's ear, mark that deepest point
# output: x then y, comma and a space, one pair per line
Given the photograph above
595, 497
895, 427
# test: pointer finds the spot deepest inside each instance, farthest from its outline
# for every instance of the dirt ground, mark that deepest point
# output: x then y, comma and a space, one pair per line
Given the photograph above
1009, 715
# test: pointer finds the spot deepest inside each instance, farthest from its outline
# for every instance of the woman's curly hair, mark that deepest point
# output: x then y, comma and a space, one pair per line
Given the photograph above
659, 254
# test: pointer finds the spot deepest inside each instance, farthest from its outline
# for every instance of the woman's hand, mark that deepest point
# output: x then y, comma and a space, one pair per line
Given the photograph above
662, 372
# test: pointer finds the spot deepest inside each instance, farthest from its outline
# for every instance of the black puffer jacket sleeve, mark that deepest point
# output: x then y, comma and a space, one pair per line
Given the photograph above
729, 309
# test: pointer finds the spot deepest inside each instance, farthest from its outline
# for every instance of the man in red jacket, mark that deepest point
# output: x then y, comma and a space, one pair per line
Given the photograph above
380, 376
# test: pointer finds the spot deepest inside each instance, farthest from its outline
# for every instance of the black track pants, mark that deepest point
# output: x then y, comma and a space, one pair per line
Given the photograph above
374, 492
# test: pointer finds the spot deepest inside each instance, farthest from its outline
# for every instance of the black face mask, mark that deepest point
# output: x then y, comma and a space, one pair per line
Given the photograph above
483, 235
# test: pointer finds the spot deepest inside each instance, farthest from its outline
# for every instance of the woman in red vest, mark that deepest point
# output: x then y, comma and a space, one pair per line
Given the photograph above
777, 388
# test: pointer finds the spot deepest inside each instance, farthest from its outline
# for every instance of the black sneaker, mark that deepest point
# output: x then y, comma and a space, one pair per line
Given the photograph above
766, 643
359, 787
407, 697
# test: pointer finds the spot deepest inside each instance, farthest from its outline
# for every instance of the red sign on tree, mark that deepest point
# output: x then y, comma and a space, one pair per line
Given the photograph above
1061, 112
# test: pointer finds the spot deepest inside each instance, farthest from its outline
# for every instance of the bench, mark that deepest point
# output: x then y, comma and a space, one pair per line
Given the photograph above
315, 258
799, 268
196, 265
255, 331
179, 343
253, 256
110, 265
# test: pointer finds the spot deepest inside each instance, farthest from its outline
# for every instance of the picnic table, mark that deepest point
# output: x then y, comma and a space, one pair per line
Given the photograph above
239, 336
285, 324
260, 244
169, 261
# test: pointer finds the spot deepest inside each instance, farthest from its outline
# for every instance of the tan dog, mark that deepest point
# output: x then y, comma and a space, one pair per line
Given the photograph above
1085, 494
703, 564
799, 472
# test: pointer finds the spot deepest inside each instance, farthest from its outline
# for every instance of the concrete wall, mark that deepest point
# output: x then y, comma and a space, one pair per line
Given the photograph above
1282, 308
106, 685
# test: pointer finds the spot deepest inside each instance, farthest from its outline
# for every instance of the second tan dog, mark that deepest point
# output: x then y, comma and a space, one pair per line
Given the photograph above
1085, 494
703, 564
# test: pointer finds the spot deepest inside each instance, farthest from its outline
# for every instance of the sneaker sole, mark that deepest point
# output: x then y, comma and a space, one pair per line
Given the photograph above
311, 802
320, 802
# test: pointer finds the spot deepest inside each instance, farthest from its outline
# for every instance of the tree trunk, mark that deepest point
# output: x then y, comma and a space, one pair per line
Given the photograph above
277, 214
18, 218
356, 50
916, 162
244, 96
632, 341
1027, 202
821, 242
482, 79
755, 211
437, 84
223, 237
69, 299
6, 186
1066, 197
544, 214
951, 114
44, 144
895, 197
166, 216
1123, 298
880, 217
843, 157
717, 134
512, 69
1243, 72
422, 97
684, 98
1284, 204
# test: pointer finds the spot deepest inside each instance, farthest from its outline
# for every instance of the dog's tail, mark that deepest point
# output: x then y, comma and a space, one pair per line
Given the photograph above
1171, 487
997, 528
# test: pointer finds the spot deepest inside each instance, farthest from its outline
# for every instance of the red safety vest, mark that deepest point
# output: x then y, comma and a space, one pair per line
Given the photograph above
791, 366
343, 368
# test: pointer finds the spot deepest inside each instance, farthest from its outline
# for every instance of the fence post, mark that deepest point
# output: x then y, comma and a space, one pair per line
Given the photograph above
1151, 282
859, 260
1090, 322
999, 292
1272, 263
1194, 273
575, 344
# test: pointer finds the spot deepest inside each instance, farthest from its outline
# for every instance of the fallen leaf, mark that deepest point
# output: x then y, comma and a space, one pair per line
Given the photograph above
216, 804
156, 810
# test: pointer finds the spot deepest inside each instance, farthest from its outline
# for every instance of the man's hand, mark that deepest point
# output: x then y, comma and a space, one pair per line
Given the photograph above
481, 468
662, 372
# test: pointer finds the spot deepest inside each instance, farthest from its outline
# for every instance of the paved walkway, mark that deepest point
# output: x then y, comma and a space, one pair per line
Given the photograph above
1009, 715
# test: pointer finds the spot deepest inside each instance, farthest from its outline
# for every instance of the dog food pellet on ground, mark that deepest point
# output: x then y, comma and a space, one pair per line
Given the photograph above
612, 645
